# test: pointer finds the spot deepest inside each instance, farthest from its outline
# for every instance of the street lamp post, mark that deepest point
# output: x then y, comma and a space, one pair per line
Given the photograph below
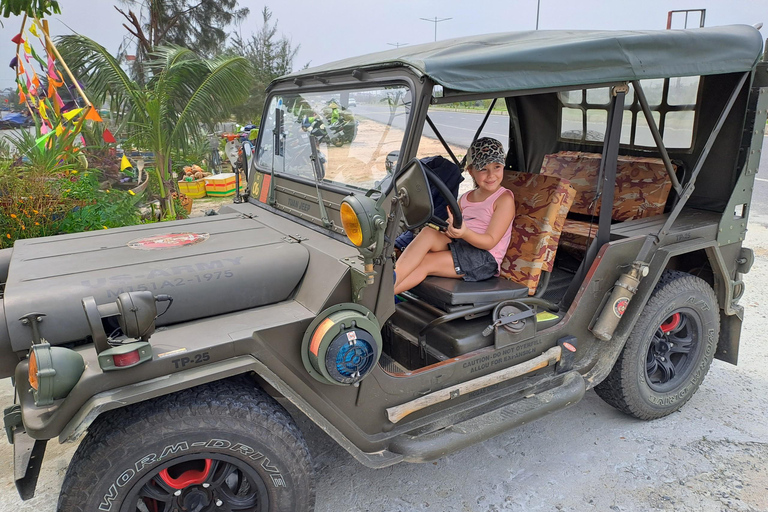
436, 21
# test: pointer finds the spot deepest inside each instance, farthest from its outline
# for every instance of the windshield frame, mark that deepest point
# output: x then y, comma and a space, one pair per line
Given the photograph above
348, 82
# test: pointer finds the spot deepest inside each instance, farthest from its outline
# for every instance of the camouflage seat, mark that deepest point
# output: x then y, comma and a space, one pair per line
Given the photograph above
642, 188
541, 205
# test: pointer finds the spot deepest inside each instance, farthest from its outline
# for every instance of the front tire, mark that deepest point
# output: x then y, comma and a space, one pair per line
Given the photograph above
225, 446
669, 350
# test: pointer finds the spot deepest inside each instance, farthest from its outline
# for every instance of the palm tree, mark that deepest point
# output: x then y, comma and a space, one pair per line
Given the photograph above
184, 93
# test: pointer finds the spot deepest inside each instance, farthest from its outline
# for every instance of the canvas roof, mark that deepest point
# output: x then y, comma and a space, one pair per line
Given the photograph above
555, 58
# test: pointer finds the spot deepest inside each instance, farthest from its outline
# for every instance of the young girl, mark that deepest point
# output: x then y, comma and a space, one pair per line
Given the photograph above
474, 251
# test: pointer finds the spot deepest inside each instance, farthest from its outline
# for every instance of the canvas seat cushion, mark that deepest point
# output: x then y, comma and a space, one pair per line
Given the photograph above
642, 184
541, 205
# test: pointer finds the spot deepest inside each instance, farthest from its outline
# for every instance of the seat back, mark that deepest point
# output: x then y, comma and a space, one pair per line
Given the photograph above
642, 184
541, 205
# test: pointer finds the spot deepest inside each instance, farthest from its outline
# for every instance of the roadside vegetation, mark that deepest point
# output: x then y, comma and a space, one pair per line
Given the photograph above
160, 95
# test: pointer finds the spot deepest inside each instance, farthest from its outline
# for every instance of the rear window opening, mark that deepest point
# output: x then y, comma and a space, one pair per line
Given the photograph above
673, 103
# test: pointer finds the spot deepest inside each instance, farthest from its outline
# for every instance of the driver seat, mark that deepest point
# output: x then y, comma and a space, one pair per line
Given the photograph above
541, 205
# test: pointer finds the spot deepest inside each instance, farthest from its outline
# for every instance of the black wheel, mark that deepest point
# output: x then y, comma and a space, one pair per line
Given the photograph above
669, 351
222, 447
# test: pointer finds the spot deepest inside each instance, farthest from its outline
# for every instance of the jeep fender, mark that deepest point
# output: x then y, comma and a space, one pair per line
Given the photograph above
611, 349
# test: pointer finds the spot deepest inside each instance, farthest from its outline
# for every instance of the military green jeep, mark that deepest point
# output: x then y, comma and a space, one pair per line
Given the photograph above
171, 347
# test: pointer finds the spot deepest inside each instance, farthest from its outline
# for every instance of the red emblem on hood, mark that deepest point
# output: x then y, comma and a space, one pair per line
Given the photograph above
168, 241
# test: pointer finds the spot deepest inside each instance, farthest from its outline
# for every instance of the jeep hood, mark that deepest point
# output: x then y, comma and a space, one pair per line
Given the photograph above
210, 266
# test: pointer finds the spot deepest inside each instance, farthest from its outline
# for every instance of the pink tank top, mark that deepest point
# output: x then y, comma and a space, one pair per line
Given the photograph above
477, 216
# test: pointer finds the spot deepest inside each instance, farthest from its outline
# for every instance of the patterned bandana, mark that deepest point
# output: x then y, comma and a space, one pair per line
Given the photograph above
485, 151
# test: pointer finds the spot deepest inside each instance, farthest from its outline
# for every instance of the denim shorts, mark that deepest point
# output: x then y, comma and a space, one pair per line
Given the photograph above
475, 264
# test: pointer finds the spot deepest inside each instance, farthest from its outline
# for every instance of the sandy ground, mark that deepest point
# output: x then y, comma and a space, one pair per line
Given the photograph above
710, 456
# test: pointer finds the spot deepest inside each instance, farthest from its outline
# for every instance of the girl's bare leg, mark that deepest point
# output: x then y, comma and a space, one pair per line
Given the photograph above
433, 264
428, 240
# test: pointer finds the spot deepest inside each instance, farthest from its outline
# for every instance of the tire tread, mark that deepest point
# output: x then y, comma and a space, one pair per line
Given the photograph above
231, 398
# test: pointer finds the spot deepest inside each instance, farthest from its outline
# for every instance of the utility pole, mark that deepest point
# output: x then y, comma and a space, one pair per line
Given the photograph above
397, 45
538, 9
436, 21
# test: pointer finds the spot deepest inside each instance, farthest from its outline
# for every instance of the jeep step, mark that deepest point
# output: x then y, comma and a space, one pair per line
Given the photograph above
433, 445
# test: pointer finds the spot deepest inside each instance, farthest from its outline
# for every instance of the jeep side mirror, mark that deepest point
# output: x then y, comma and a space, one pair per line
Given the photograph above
412, 189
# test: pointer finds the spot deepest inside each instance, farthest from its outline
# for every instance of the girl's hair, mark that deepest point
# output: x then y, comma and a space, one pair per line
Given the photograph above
474, 181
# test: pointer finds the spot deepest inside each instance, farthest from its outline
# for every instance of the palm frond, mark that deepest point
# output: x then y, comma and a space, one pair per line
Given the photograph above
225, 86
106, 79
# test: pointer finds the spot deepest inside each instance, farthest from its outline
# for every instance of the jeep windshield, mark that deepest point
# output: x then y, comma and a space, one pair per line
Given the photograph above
358, 134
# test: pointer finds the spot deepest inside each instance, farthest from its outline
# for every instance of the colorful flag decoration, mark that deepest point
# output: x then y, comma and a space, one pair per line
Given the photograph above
125, 163
70, 114
93, 115
108, 137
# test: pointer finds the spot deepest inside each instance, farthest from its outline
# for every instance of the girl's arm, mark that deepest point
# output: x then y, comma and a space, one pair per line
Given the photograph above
503, 214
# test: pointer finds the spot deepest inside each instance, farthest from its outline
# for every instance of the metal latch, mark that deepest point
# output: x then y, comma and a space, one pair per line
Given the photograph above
294, 239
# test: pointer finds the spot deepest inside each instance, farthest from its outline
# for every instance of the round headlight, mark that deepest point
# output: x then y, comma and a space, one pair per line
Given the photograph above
53, 372
351, 224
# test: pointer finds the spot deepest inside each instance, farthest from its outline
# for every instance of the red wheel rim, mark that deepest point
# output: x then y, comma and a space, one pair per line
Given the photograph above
671, 323
187, 478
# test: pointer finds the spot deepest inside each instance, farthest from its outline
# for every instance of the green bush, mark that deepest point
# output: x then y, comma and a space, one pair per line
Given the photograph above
40, 204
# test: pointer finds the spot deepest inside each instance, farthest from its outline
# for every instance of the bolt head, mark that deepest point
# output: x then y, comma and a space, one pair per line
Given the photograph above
219, 503
177, 493
206, 485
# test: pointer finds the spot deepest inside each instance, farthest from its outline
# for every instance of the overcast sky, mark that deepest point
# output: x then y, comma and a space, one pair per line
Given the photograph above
328, 30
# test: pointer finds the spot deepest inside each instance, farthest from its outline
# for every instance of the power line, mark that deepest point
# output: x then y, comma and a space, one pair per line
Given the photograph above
397, 45
436, 21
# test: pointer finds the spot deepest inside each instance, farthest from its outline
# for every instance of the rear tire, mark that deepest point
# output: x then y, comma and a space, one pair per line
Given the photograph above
668, 352
222, 446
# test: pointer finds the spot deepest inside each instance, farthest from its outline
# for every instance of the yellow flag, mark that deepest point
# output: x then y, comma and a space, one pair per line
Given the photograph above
72, 113
27, 48
124, 163
33, 29
59, 130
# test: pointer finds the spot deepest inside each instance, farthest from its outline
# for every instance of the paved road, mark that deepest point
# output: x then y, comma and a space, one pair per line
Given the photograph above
457, 128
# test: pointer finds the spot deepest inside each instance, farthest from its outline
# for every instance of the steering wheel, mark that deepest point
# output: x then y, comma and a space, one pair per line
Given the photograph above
446, 194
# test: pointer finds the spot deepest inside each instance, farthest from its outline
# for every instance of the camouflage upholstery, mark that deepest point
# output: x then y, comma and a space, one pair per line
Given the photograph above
642, 184
541, 204
642, 188
577, 235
